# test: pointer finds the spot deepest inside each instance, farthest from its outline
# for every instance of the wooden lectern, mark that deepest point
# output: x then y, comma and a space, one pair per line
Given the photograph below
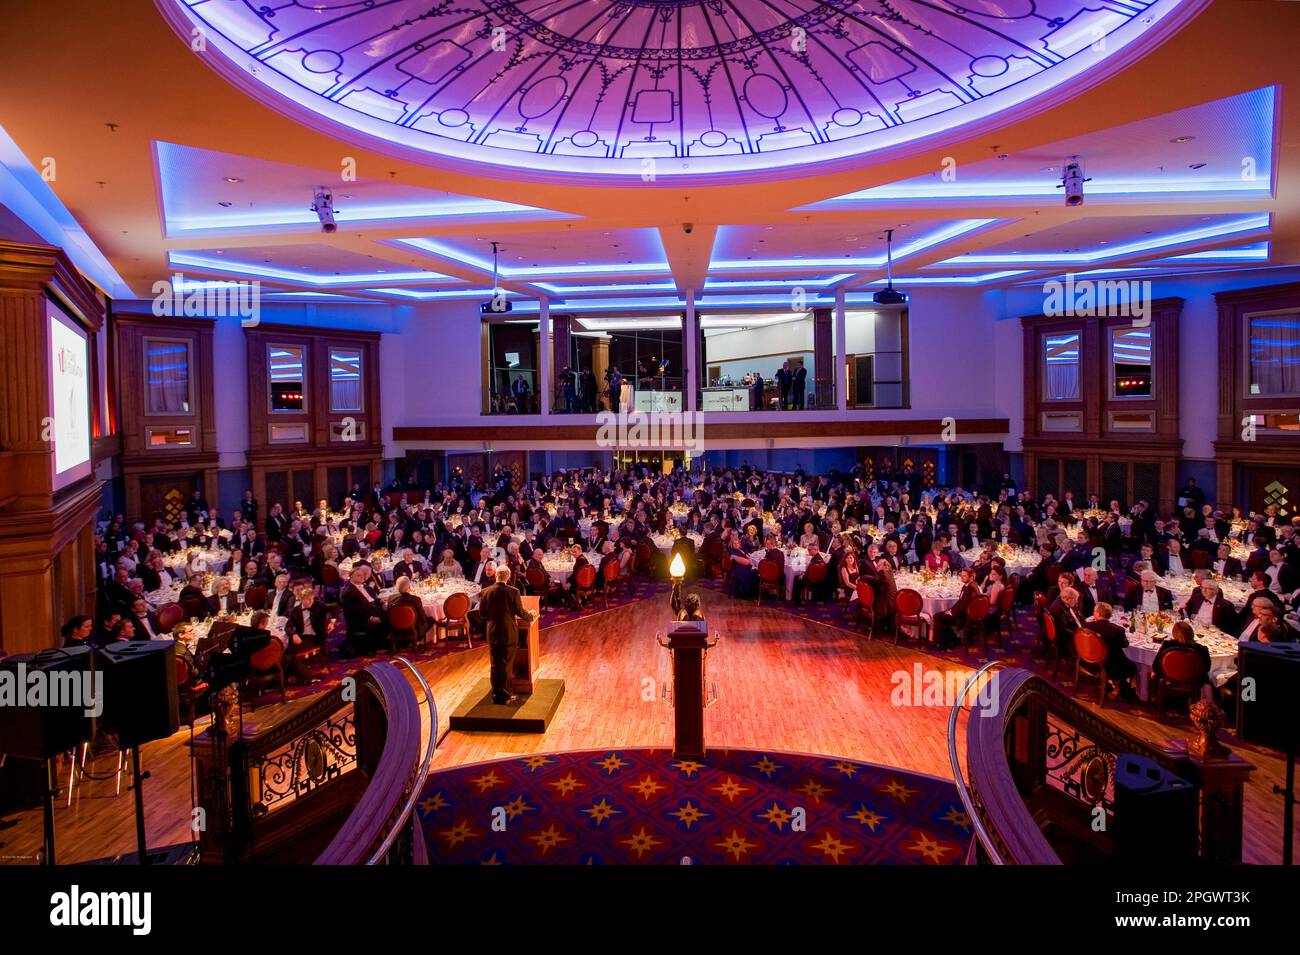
687, 643
523, 680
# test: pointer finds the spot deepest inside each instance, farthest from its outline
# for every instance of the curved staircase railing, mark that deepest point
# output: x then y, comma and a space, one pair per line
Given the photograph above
1038, 782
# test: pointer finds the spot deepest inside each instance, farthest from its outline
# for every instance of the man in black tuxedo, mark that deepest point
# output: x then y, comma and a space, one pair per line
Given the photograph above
1208, 606
503, 613
1065, 614
1118, 666
276, 523
1149, 597
798, 386
362, 613
783, 384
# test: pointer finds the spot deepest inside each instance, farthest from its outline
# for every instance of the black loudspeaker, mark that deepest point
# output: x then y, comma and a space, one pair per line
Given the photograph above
1268, 704
1156, 812
39, 727
140, 690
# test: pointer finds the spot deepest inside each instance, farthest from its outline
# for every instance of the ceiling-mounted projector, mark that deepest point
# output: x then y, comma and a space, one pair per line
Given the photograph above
889, 295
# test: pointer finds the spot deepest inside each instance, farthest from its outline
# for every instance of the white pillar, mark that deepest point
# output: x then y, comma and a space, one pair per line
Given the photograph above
690, 375
544, 386
841, 353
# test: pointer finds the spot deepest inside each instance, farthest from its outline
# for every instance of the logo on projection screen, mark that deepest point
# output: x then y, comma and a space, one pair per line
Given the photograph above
69, 400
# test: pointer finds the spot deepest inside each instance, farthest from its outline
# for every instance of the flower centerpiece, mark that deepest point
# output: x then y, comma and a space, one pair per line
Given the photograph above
1162, 620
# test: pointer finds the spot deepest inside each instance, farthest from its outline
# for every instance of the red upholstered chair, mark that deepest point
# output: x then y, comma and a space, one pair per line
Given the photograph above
1053, 574
267, 663
715, 559
169, 615
255, 597
540, 583
977, 612
401, 626
1090, 660
1048, 624
1006, 613
611, 583
331, 584
814, 576
455, 611
910, 603
1200, 559
1182, 671
374, 537
867, 606
189, 688
770, 579
585, 585
645, 563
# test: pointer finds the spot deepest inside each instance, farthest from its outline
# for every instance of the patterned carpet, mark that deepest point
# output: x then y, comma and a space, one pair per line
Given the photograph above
642, 806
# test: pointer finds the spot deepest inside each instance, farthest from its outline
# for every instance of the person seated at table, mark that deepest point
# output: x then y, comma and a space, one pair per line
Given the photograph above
483, 573
362, 614
1092, 590
404, 598
1262, 614
1064, 581
79, 631
937, 560
193, 589
744, 575
994, 584
579, 561
1171, 563
886, 594
406, 565
809, 536
1119, 668
1148, 597
223, 600
449, 566
849, 572
1208, 607
280, 600
248, 577
1182, 636
892, 555
1283, 578
1259, 590
144, 621
815, 591
946, 622
1065, 614
608, 555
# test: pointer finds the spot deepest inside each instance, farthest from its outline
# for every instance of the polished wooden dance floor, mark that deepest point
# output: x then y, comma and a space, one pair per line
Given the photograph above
781, 683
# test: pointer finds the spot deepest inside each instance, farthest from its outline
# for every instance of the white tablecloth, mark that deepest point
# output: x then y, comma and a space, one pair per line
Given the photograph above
434, 594
1142, 650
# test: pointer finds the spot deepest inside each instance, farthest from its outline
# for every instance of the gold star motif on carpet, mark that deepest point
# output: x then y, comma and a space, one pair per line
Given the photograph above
535, 763
611, 763
831, 848
848, 769
958, 818
489, 780
461, 832
567, 785
688, 767
898, 791
734, 844
641, 842
688, 814
730, 789
813, 790
517, 807
767, 766
548, 839
433, 803
867, 817
929, 848
777, 817
492, 859
601, 811
648, 787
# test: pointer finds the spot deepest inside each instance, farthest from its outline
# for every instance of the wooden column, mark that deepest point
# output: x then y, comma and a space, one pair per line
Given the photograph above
39, 527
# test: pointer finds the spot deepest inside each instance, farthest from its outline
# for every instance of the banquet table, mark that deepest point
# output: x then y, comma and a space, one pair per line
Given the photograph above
665, 542
796, 562
560, 566
1182, 586
176, 564
1019, 560
172, 592
433, 593
937, 594
191, 633
1143, 647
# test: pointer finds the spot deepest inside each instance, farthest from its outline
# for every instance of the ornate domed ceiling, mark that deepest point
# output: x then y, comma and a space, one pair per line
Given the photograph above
697, 86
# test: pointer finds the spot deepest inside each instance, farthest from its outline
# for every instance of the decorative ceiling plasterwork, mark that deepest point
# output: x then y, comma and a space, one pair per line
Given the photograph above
698, 86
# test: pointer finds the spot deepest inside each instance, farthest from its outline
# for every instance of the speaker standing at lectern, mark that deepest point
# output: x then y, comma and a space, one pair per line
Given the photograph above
503, 614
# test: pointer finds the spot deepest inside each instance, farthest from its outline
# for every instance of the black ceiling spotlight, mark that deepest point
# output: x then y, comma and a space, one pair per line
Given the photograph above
889, 295
498, 303
1072, 182
323, 205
